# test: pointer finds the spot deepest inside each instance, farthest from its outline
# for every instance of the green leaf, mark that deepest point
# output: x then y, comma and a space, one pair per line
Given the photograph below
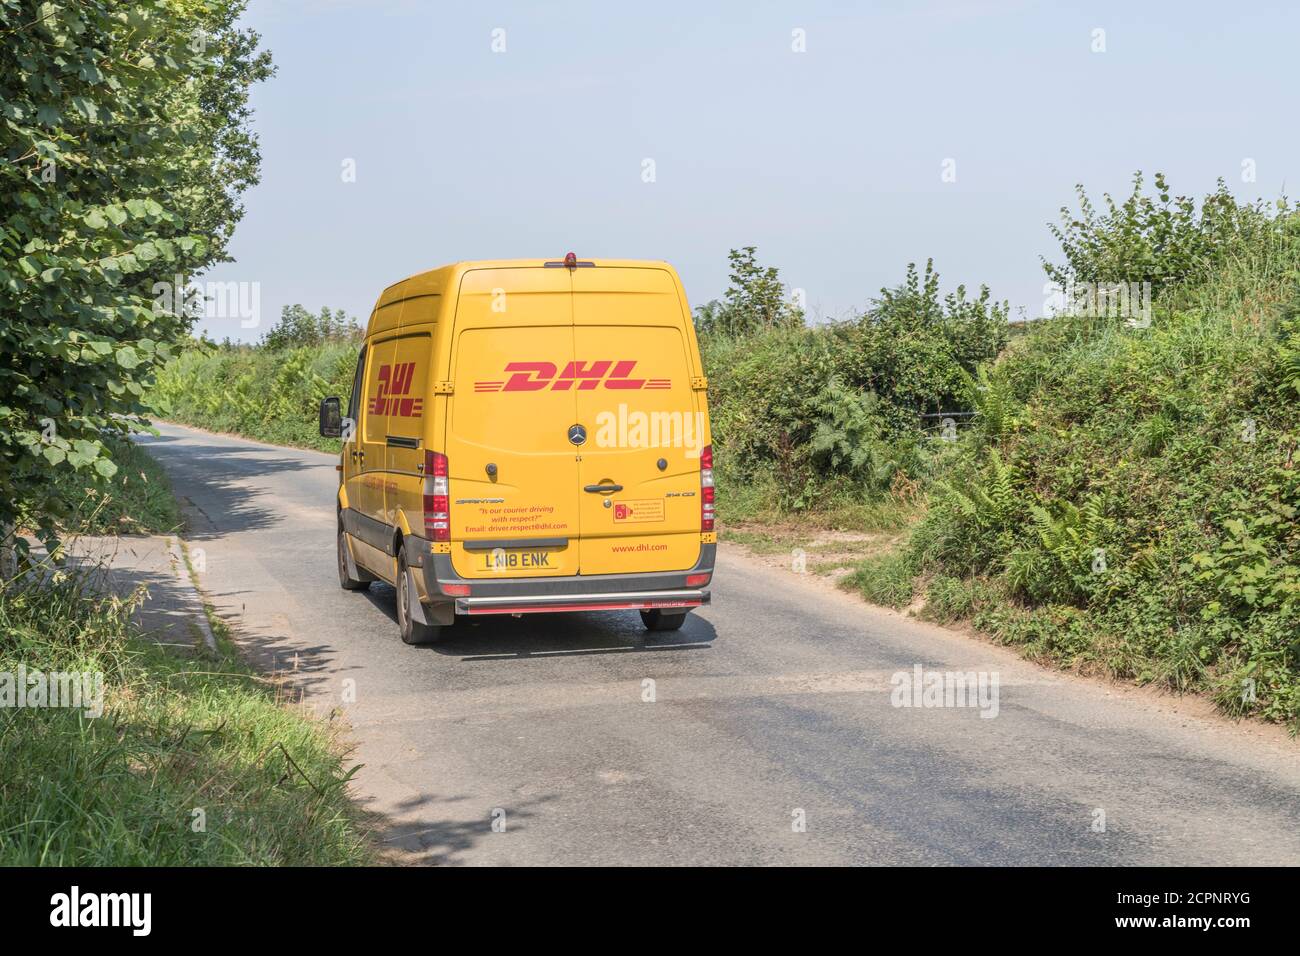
79, 340
86, 108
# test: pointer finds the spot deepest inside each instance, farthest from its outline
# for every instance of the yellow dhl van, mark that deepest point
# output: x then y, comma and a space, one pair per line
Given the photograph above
528, 436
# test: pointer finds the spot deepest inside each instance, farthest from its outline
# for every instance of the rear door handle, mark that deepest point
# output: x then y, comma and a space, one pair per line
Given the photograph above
603, 489
494, 544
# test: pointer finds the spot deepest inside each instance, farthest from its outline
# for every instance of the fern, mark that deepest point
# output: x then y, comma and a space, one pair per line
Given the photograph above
1289, 352
847, 438
991, 503
994, 402
1066, 559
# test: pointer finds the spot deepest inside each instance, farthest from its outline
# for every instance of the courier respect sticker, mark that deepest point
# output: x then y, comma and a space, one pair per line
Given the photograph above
651, 509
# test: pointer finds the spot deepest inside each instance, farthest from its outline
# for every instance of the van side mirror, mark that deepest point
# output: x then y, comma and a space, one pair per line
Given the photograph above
331, 418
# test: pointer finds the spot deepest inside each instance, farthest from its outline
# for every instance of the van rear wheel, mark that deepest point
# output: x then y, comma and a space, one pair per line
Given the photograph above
657, 620
413, 632
348, 582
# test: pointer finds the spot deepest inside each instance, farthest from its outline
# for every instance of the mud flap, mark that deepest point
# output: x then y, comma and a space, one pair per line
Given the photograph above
442, 614
428, 614
414, 609
354, 572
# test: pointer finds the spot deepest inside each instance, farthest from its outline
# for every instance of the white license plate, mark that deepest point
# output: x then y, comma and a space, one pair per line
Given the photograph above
517, 560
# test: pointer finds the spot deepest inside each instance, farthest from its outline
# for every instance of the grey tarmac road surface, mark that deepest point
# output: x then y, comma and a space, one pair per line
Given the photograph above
770, 706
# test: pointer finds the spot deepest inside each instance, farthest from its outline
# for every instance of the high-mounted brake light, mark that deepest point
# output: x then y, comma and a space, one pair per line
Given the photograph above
437, 499
706, 488
570, 262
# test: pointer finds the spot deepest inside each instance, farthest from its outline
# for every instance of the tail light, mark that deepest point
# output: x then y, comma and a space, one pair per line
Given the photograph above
437, 499
706, 488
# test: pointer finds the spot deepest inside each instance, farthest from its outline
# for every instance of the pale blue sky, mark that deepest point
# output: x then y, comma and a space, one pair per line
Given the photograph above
829, 161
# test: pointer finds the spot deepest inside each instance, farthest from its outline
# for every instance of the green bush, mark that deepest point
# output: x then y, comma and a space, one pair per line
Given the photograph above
838, 407
272, 395
138, 499
1127, 498
1160, 239
754, 302
888, 578
949, 598
127, 145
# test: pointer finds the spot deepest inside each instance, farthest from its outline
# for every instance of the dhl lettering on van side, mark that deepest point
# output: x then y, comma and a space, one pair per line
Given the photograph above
392, 399
536, 376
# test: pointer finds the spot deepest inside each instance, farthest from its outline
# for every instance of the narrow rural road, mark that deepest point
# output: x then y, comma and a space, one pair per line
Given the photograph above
770, 707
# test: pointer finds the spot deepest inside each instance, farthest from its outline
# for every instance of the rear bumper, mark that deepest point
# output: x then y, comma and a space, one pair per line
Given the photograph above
594, 592
541, 604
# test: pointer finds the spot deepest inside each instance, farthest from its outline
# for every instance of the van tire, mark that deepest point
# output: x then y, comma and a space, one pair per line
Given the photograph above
657, 620
348, 582
411, 630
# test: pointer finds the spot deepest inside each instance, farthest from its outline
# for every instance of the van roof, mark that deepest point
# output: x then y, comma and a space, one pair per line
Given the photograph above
436, 281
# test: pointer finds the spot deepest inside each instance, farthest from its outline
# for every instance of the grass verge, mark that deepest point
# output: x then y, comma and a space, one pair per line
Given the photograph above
194, 760
828, 541
136, 500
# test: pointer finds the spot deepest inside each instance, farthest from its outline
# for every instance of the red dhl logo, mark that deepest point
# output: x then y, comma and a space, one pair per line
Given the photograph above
536, 376
394, 383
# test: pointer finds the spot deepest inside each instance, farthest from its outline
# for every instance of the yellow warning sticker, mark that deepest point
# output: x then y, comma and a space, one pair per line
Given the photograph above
651, 509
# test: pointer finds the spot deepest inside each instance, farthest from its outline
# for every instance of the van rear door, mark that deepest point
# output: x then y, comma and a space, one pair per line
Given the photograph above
372, 440
636, 515
408, 396
513, 478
